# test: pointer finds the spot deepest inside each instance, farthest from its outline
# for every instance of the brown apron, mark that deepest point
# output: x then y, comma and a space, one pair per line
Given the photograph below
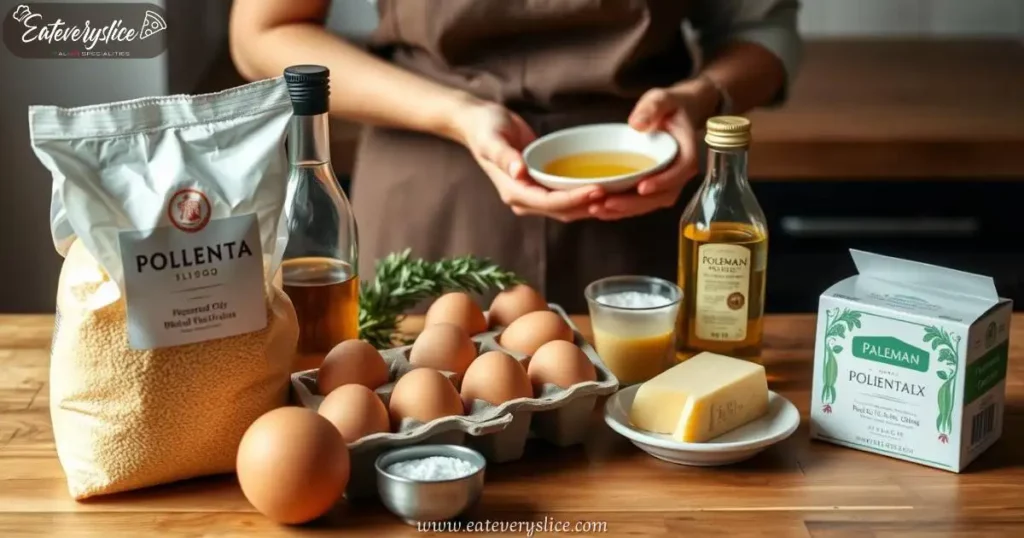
558, 63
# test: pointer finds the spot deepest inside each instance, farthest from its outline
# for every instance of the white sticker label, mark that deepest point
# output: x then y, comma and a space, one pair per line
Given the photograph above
199, 280
723, 286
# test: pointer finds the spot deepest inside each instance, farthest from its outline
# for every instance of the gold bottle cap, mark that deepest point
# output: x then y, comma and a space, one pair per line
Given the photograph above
728, 132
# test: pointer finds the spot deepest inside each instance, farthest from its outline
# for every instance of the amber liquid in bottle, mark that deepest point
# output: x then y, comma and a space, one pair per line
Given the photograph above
325, 293
723, 253
319, 267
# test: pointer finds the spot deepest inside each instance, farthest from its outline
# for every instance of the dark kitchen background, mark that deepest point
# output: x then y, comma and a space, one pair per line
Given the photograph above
904, 135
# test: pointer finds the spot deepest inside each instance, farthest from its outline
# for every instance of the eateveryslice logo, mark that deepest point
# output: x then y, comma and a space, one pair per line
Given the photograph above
65, 30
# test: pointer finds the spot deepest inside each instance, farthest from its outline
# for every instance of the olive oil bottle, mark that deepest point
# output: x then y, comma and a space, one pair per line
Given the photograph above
723, 252
319, 266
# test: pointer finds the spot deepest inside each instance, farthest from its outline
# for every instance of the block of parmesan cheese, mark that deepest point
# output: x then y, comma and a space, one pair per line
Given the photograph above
701, 398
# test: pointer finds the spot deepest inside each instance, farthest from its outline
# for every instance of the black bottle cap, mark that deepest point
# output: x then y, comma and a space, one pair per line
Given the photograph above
309, 88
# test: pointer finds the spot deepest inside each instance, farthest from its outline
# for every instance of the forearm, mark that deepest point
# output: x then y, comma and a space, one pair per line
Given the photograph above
748, 72
751, 76
364, 88
752, 49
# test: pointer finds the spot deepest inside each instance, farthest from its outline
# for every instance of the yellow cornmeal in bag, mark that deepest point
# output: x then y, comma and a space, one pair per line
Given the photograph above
171, 335
133, 418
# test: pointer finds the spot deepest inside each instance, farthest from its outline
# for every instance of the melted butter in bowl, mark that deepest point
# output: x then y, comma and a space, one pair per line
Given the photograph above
611, 155
599, 164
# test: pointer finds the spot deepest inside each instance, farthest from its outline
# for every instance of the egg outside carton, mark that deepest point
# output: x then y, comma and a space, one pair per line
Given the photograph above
559, 416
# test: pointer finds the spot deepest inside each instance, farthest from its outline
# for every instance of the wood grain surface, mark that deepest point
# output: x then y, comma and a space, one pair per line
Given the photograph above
798, 488
887, 109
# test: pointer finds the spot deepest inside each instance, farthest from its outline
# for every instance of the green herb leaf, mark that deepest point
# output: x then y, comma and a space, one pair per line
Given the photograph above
401, 282
943, 375
837, 349
945, 355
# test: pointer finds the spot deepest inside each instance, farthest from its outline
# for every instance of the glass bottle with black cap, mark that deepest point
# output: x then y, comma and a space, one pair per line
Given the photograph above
319, 269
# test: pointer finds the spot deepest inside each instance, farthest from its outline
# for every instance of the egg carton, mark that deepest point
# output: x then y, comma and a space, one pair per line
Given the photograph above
559, 416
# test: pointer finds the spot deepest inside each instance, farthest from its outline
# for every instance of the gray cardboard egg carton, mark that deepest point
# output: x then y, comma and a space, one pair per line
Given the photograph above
559, 416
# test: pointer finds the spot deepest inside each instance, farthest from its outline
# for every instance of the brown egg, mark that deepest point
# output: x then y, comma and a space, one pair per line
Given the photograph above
443, 347
423, 394
560, 363
352, 362
514, 303
459, 309
292, 465
533, 330
356, 411
496, 378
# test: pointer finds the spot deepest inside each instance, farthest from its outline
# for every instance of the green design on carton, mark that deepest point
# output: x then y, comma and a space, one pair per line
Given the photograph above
947, 345
836, 326
985, 373
891, 351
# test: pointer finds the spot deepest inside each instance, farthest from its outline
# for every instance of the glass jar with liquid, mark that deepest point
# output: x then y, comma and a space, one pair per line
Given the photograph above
723, 252
633, 320
319, 269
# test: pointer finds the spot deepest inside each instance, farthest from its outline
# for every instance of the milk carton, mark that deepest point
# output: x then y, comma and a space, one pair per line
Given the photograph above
910, 362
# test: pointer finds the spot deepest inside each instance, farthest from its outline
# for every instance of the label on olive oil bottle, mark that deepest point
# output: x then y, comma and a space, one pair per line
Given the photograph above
723, 282
906, 368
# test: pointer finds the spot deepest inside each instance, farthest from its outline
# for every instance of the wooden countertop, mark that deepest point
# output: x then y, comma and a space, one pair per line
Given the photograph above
797, 488
887, 109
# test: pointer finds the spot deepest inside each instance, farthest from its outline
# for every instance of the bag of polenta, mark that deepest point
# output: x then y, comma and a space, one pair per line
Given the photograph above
171, 335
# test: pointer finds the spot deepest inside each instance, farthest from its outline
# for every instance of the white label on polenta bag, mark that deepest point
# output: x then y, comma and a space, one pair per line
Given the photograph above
723, 283
197, 280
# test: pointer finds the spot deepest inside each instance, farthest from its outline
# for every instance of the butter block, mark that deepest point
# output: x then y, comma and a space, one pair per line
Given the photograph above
701, 398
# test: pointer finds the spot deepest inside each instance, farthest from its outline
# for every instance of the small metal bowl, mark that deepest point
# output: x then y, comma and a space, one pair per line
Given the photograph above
435, 500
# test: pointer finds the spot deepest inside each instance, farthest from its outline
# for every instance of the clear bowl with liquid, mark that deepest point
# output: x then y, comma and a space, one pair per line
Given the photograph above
634, 322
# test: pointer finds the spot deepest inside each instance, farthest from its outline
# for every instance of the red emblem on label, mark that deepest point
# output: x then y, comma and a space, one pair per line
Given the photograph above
189, 210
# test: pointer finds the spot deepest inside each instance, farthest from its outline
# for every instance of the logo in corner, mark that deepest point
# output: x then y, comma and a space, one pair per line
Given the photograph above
189, 210
21, 13
79, 30
152, 24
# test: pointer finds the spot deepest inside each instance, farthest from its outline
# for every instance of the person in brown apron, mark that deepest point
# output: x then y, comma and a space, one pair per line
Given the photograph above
452, 90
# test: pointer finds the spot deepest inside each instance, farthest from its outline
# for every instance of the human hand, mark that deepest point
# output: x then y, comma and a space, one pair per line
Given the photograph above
496, 137
679, 111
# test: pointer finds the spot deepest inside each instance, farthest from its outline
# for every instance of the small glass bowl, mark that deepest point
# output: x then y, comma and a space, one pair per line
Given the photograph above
635, 341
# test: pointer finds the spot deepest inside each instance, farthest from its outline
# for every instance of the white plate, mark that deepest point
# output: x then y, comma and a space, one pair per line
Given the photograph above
733, 447
658, 145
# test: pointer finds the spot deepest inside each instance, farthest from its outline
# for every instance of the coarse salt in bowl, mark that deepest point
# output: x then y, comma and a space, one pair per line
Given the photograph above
430, 482
432, 468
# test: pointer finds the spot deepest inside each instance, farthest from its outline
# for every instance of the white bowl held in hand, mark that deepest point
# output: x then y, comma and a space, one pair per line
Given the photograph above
732, 447
658, 146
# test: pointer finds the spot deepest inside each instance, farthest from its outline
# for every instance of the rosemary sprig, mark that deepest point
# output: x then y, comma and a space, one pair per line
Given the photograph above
401, 282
